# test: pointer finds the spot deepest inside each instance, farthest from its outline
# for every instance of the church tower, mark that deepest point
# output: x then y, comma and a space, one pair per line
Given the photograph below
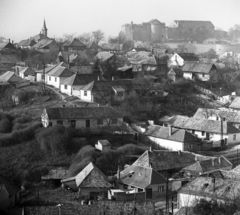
44, 29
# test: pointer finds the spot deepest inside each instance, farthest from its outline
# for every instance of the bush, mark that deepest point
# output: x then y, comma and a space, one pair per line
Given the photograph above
22, 119
5, 123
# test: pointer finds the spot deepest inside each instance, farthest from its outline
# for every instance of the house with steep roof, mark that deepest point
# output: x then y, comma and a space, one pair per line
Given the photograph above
76, 82
214, 114
82, 117
207, 166
103, 145
189, 57
9, 194
168, 162
235, 105
46, 45
175, 61
212, 130
174, 139
75, 45
28, 73
93, 47
200, 71
57, 74
208, 188
5, 46
171, 75
27, 44
104, 56
10, 77
145, 180
90, 183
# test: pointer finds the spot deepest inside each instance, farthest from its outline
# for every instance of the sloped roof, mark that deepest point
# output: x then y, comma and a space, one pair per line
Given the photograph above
203, 186
104, 142
141, 177
176, 121
141, 58
10, 77
82, 113
209, 165
211, 126
3, 44
171, 72
189, 56
124, 68
56, 173
90, 176
194, 23
178, 135
28, 42
235, 103
230, 116
43, 43
104, 56
11, 188
28, 71
155, 22
198, 67
79, 79
74, 43
60, 71
161, 160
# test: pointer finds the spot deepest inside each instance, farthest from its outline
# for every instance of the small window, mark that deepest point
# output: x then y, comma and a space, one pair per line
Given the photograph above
85, 93
100, 121
234, 137
50, 124
59, 122
114, 121
120, 94
49, 78
55, 79
190, 146
161, 189
73, 123
65, 87
203, 133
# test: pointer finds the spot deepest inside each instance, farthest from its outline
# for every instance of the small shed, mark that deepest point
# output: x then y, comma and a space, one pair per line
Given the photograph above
103, 145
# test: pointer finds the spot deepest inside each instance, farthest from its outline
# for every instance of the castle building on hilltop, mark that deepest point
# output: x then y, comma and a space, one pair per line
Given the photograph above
179, 30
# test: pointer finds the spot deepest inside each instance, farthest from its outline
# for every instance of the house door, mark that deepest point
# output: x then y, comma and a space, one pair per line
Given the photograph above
87, 123
148, 193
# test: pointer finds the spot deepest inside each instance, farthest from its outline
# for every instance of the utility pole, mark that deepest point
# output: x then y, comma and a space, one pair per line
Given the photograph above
222, 140
167, 206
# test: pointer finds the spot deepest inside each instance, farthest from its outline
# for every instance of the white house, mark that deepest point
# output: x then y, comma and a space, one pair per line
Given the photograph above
57, 75
175, 61
212, 130
103, 145
73, 84
174, 139
82, 117
40, 73
200, 71
28, 73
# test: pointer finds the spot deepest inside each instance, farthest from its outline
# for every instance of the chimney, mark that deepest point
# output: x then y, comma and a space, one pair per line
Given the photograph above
9, 40
12, 42
150, 149
169, 130
118, 173
213, 162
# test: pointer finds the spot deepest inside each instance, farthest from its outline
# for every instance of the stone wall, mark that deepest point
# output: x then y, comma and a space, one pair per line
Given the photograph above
97, 208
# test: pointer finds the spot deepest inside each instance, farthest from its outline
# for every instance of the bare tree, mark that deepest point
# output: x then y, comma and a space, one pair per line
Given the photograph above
86, 38
69, 37
98, 35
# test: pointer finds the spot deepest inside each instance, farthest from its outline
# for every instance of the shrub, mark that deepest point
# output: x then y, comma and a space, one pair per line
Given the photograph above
5, 123
22, 119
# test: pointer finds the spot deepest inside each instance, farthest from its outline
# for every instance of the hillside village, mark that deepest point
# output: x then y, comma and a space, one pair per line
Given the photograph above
146, 125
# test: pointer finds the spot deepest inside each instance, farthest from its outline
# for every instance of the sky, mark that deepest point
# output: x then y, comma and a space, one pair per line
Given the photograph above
21, 19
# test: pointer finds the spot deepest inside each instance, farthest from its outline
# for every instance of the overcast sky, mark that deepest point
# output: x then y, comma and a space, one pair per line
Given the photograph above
21, 19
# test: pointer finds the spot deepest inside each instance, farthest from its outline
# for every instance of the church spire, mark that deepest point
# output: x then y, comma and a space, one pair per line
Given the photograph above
44, 29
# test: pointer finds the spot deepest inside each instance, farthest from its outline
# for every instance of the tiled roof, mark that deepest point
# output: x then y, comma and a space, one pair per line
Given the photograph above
90, 176
79, 79
10, 77
211, 126
74, 43
28, 71
11, 188
57, 173
203, 186
175, 121
104, 142
197, 67
28, 42
230, 116
189, 56
235, 103
161, 160
178, 135
209, 165
43, 43
60, 71
104, 56
142, 58
141, 177
224, 174
82, 113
